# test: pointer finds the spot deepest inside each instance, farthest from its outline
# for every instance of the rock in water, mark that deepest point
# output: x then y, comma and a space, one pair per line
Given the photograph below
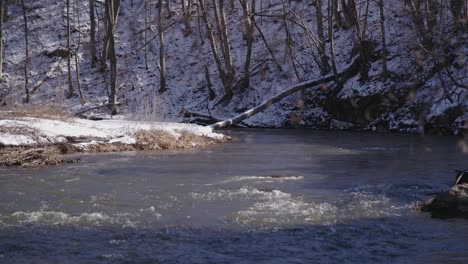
449, 203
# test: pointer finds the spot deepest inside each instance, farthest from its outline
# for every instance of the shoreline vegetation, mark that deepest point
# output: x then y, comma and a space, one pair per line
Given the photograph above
42, 139
49, 155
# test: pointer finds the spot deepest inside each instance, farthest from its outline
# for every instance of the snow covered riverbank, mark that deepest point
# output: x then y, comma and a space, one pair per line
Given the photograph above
36, 141
33, 131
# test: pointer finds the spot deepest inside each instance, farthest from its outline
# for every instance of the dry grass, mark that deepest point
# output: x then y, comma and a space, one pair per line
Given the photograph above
27, 157
158, 139
154, 140
147, 140
107, 147
49, 111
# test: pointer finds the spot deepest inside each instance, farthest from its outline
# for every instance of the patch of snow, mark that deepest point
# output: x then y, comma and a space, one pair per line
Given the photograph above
15, 140
93, 132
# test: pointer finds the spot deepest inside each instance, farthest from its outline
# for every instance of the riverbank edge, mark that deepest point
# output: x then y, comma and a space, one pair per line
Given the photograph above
31, 141
53, 154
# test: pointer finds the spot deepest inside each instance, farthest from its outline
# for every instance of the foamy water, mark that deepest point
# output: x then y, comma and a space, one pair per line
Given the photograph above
281, 197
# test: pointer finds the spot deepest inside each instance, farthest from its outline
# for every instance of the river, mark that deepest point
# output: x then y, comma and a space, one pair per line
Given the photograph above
267, 196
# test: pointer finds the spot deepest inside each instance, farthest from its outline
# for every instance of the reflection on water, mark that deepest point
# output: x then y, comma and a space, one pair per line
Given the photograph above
287, 196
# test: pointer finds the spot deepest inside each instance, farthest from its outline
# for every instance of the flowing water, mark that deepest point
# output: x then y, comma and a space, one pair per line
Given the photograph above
283, 196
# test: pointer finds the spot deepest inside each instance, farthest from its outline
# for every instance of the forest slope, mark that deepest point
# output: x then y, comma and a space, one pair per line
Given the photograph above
413, 77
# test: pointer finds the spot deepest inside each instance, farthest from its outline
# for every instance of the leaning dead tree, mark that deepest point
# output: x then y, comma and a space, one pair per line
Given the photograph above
351, 70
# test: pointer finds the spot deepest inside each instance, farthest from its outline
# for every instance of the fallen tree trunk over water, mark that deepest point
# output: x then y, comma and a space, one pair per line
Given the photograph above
351, 70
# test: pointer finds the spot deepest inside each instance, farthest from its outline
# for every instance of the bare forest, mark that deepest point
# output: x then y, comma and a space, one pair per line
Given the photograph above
342, 64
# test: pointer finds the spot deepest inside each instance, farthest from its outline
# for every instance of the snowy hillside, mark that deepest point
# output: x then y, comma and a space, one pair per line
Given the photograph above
425, 88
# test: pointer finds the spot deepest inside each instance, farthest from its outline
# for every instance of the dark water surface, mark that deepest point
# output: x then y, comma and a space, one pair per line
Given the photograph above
283, 196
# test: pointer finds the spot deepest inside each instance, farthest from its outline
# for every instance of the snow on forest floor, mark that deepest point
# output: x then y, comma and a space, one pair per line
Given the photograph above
395, 103
37, 141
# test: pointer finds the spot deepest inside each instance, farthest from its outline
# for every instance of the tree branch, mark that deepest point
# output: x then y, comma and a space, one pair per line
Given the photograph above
351, 70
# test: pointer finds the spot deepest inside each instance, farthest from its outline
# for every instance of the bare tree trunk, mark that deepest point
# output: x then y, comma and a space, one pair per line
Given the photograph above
162, 58
26, 60
324, 68
92, 33
209, 85
168, 8
112, 10
289, 41
202, 39
105, 46
349, 7
214, 50
224, 39
106, 43
384, 42
330, 37
146, 34
336, 14
77, 64
1, 38
71, 91
249, 29
363, 49
186, 16
270, 50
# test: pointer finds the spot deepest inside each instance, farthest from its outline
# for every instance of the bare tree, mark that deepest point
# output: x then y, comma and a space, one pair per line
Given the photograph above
26, 60
289, 40
77, 64
2, 4
331, 14
168, 8
112, 10
349, 10
220, 17
365, 46
383, 39
162, 56
186, 16
226, 75
270, 50
324, 68
336, 14
92, 33
105, 45
423, 14
71, 91
249, 33
146, 34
